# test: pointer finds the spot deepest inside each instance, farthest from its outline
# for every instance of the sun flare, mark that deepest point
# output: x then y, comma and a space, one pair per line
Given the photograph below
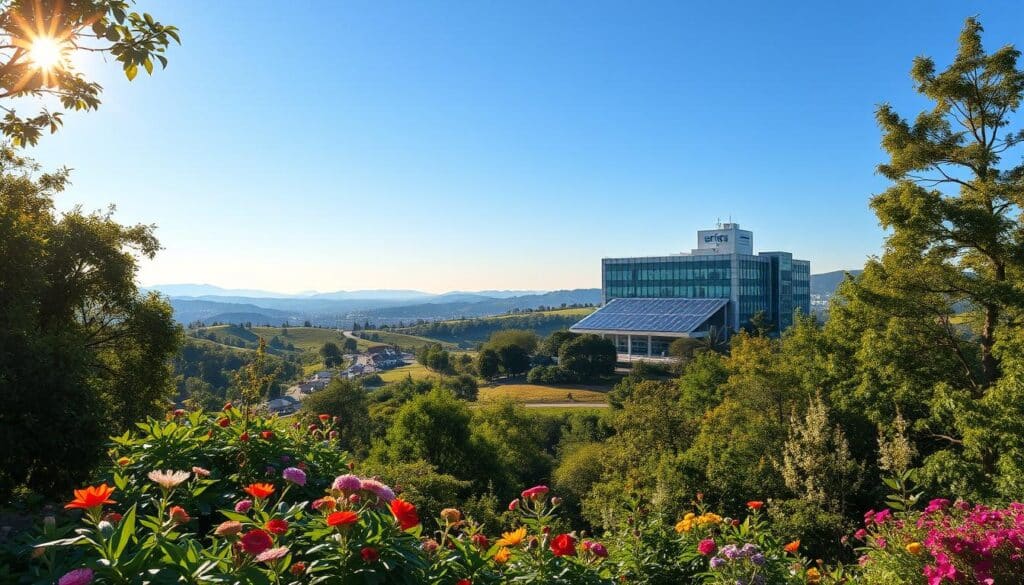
46, 53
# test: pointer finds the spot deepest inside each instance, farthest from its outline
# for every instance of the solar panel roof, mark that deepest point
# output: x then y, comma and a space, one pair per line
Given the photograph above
651, 315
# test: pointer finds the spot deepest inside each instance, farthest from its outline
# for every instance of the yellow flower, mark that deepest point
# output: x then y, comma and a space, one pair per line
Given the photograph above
813, 575
123, 461
684, 525
709, 518
512, 538
501, 557
914, 548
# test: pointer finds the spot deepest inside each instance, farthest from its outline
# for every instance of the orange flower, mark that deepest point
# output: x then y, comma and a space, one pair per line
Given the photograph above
259, 490
792, 547
343, 518
405, 513
92, 497
755, 505
512, 538
501, 557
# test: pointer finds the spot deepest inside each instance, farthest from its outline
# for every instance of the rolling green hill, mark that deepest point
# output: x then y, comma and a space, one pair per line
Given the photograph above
470, 332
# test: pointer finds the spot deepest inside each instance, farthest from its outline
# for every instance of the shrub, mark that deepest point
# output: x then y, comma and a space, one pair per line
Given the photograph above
550, 375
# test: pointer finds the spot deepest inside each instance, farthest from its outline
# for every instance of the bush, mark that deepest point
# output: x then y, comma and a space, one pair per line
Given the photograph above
550, 375
232, 522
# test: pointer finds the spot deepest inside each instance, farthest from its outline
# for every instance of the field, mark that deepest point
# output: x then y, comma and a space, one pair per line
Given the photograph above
417, 372
537, 394
576, 312
305, 339
405, 341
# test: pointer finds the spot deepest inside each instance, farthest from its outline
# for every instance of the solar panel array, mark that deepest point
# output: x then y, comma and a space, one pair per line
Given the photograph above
651, 315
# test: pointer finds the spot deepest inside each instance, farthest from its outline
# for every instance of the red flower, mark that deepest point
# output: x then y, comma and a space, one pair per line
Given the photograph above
755, 505
324, 417
256, 541
259, 490
228, 406
706, 547
266, 435
298, 569
91, 497
178, 413
405, 513
563, 545
343, 518
792, 547
244, 437
464, 582
179, 515
513, 505
223, 422
112, 517
369, 554
276, 526
480, 540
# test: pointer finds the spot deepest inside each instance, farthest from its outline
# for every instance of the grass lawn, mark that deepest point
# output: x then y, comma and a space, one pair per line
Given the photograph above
578, 312
537, 394
417, 372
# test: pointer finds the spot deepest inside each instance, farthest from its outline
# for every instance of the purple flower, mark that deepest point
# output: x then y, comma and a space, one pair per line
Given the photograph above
285, 458
347, 483
730, 551
758, 559
383, 492
748, 549
76, 577
243, 506
717, 562
294, 475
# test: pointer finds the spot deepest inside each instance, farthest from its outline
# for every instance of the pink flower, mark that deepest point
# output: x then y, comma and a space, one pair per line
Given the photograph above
76, 577
860, 534
294, 475
535, 493
706, 547
347, 483
383, 492
243, 506
271, 555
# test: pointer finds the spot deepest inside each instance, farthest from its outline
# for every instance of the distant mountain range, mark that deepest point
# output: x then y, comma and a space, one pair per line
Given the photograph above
208, 303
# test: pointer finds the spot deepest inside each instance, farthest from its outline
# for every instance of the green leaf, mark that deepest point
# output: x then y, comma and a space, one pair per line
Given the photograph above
148, 64
125, 532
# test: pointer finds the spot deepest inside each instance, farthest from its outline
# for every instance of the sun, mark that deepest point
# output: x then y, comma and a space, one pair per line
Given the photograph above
46, 53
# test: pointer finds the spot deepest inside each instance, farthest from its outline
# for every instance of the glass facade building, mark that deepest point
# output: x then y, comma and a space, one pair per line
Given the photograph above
722, 267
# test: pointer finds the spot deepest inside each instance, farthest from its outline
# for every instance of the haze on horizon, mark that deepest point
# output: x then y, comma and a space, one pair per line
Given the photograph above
489, 147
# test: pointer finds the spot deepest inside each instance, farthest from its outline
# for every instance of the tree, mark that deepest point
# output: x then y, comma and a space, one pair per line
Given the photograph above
434, 357
524, 339
331, 354
350, 345
553, 343
82, 352
346, 400
514, 359
588, 357
953, 211
462, 386
38, 38
488, 364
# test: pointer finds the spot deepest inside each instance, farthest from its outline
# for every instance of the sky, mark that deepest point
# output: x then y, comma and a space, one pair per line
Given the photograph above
296, 146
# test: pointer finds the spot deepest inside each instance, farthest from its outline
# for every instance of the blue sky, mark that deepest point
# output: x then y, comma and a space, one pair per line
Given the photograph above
485, 145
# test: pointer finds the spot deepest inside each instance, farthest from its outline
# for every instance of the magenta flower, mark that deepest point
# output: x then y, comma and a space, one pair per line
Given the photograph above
347, 483
294, 475
383, 492
706, 546
243, 506
76, 577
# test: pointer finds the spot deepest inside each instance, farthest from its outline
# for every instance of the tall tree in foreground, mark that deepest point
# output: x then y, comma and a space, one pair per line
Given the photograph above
957, 241
82, 353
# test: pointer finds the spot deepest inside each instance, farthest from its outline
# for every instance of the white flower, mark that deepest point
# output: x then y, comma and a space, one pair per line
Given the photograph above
169, 479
